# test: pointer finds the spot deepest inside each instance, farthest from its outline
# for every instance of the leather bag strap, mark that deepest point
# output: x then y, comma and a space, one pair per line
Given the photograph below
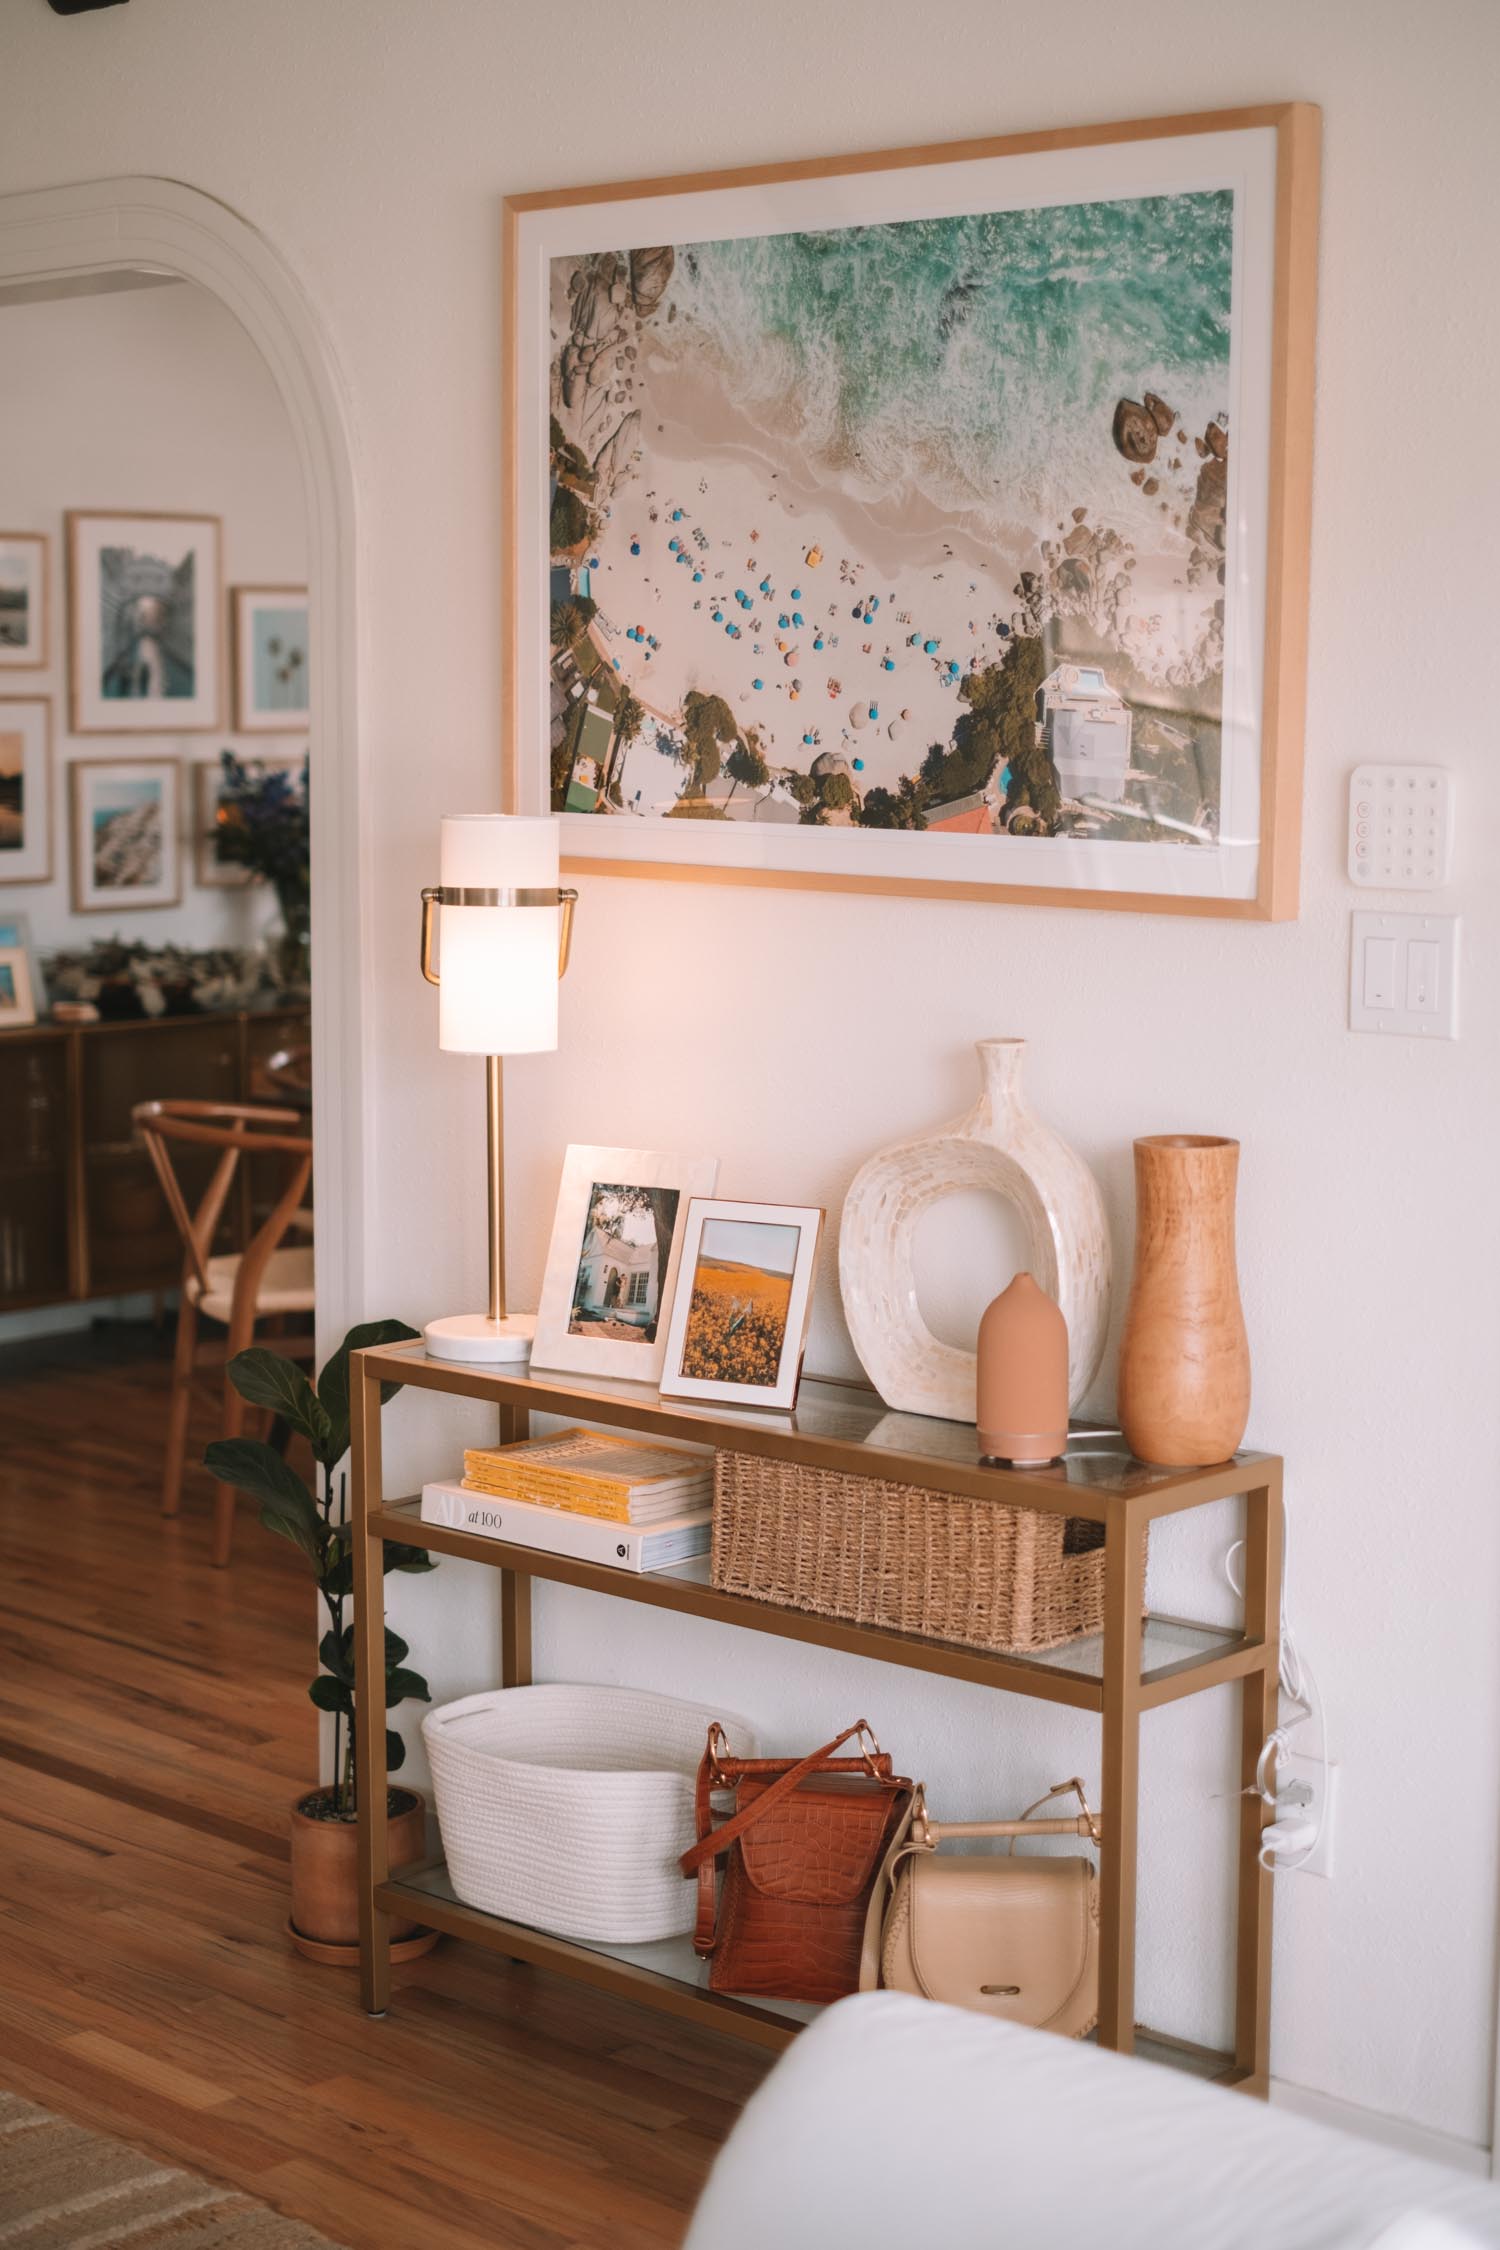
713, 1842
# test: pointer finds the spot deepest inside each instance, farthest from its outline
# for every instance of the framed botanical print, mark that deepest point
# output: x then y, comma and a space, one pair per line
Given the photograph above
17, 1000
270, 659
25, 596
612, 1266
127, 826
930, 521
739, 1316
25, 789
144, 595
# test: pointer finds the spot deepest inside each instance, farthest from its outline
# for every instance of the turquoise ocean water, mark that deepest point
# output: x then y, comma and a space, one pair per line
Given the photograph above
977, 359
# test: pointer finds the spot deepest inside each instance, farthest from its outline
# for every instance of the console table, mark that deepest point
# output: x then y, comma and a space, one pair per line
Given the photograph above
1136, 1665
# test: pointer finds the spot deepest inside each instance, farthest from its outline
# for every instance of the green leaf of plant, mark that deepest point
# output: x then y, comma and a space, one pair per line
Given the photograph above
333, 1383
332, 1695
395, 1751
401, 1557
266, 1379
396, 1650
287, 1506
337, 1656
402, 1686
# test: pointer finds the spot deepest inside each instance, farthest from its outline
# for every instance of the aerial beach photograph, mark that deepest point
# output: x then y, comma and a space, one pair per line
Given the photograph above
918, 526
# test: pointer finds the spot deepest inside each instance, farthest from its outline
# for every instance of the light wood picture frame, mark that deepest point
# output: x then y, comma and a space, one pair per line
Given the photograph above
738, 1326
145, 622
931, 656
612, 1266
17, 998
25, 600
126, 820
269, 632
25, 789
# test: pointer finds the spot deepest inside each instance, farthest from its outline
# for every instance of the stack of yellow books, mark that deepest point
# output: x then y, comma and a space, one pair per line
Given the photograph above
618, 1479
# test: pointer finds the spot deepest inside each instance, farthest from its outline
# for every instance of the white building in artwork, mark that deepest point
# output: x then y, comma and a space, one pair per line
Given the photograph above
617, 1279
1085, 725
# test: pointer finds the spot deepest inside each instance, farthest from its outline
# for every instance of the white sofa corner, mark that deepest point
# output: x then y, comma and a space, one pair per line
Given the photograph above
892, 2121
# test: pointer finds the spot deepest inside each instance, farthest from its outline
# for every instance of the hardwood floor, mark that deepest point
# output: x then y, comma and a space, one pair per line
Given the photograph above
153, 1729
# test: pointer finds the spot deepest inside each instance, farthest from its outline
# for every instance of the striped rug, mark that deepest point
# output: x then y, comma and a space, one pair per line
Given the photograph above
62, 2188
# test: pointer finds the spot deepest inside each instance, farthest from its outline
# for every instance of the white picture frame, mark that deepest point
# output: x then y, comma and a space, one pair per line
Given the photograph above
126, 820
17, 998
25, 789
145, 623
593, 1289
25, 600
271, 659
735, 1259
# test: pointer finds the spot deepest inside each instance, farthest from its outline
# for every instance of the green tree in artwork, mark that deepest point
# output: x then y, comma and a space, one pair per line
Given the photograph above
708, 729
903, 807
746, 763
630, 716
802, 789
571, 620
837, 792
571, 522
996, 731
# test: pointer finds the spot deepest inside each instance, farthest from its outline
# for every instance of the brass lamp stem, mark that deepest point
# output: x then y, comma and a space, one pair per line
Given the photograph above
494, 1096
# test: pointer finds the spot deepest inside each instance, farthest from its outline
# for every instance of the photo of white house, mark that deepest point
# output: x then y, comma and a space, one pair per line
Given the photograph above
627, 1242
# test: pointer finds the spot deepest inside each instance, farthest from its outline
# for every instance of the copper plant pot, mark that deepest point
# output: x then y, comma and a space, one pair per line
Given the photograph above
1184, 1360
325, 1868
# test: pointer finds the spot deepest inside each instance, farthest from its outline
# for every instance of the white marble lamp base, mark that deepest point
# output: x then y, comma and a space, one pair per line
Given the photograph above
479, 1340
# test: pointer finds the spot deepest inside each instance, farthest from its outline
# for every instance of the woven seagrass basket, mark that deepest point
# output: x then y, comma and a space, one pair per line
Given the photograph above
899, 1556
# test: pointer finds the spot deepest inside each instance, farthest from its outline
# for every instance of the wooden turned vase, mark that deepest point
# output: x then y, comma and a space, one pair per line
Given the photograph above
1184, 1361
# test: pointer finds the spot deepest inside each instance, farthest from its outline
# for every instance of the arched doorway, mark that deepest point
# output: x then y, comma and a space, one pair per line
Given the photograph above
61, 240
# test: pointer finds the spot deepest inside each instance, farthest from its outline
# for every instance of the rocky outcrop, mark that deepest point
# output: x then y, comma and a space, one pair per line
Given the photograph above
650, 271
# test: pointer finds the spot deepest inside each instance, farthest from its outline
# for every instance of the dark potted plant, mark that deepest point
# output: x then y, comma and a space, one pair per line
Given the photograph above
325, 1896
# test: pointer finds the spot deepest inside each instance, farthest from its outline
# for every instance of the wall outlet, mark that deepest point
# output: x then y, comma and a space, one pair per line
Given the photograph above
1322, 1784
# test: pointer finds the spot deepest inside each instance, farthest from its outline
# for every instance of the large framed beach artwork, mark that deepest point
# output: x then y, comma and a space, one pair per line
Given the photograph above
931, 521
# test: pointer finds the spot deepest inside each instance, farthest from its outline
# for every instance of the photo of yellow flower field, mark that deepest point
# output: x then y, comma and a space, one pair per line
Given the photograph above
742, 1287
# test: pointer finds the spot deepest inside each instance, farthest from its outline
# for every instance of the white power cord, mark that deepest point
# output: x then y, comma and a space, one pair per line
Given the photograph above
1291, 1831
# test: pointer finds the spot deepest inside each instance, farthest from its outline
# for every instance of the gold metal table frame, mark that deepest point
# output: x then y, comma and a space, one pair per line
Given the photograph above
1138, 1664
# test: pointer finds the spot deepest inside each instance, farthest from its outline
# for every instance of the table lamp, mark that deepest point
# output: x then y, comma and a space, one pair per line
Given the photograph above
503, 947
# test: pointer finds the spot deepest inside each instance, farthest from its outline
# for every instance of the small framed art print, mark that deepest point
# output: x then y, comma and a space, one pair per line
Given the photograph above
24, 595
143, 623
612, 1268
25, 789
739, 1316
17, 1000
127, 828
270, 659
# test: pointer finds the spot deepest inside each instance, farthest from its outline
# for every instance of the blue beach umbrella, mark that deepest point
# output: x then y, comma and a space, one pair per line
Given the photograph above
635, 546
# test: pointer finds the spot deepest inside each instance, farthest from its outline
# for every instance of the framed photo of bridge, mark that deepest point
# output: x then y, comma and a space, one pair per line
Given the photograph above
931, 521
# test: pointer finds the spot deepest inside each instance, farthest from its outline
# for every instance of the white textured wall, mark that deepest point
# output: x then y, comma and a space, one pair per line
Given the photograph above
152, 399
792, 1034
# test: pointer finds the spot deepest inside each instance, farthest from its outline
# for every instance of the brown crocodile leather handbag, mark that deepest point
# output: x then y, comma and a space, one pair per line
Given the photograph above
803, 1847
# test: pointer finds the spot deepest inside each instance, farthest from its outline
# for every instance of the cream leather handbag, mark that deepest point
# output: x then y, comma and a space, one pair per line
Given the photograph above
1017, 1938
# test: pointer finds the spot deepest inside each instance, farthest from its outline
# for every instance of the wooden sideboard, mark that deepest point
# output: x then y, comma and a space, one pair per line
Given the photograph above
81, 1214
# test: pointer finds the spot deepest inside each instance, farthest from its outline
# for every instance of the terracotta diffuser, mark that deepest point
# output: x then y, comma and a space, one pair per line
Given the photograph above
1184, 1359
1022, 1402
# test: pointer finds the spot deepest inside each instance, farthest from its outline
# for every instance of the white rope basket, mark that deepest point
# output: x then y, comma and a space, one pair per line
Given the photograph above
569, 1807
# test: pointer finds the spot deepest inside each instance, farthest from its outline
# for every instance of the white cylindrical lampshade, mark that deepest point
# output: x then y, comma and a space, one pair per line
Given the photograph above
498, 964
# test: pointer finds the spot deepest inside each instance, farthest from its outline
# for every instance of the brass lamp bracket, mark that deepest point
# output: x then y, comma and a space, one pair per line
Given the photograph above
451, 895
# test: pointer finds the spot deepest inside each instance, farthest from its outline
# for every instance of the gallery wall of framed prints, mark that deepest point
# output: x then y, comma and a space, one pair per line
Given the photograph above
934, 521
144, 626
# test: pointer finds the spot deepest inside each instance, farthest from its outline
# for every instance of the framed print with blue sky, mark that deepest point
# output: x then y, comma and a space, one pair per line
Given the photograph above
144, 594
270, 659
127, 833
933, 521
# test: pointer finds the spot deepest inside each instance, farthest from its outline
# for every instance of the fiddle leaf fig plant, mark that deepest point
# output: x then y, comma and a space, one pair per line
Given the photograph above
316, 1521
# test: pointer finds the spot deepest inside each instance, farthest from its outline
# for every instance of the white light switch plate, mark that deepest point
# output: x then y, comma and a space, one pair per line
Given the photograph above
1403, 974
1400, 827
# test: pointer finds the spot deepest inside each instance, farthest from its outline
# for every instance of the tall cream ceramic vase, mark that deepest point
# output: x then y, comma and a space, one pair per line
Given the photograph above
1184, 1361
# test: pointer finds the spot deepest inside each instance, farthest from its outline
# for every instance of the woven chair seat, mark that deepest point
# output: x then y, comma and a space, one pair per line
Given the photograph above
286, 1285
